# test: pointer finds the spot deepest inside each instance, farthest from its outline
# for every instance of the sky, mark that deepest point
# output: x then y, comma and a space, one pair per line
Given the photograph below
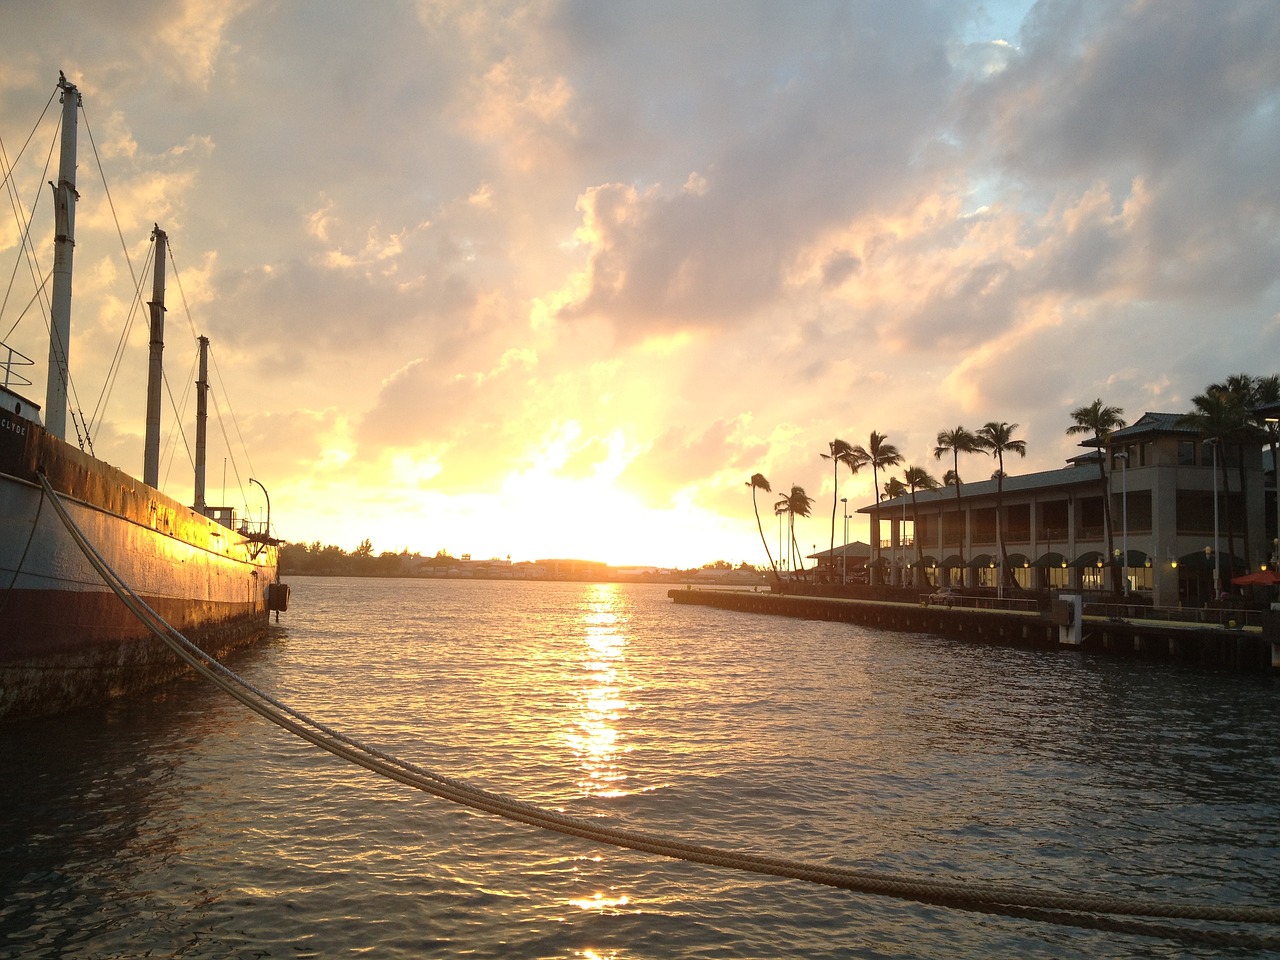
555, 279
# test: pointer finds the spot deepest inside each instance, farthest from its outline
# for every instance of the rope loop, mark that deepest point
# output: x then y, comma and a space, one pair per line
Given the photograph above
1072, 909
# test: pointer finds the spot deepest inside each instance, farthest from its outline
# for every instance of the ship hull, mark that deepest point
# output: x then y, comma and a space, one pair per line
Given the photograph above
66, 640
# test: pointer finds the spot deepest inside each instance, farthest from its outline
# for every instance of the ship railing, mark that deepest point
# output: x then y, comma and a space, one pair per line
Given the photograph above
9, 360
254, 530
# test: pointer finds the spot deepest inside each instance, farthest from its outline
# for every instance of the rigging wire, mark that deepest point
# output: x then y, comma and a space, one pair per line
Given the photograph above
217, 372
176, 429
27, 220
30, 136
15, 202
1075, 909
113, 370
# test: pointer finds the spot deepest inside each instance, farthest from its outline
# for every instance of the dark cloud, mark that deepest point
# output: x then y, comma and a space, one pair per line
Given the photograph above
807, 138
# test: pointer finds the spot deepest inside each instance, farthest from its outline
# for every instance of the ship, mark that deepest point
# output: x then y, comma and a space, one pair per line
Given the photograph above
67, 641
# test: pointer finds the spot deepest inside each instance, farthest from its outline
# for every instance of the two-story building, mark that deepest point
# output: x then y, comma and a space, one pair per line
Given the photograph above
1186, 516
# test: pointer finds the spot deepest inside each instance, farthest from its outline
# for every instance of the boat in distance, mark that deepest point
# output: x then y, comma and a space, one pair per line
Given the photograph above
66, 640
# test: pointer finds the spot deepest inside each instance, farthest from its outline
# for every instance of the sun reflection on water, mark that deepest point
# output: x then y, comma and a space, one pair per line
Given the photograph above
595, 737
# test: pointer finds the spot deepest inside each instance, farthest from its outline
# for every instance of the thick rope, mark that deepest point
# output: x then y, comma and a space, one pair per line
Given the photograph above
991, 897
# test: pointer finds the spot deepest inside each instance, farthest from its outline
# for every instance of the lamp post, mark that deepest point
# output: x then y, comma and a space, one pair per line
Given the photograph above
1217, 562
903, 560
844, 549
780, 559
1275, 556
1123, 457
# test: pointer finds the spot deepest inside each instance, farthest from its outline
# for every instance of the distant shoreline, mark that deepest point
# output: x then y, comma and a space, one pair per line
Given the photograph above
692, 578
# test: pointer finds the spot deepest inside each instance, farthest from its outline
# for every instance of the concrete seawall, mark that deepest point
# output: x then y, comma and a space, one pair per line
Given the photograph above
1244, 649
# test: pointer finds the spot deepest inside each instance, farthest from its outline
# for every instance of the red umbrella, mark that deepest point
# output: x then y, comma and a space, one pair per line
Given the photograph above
1262, 576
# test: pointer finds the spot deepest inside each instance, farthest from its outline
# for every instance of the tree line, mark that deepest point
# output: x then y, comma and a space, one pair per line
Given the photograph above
1225, 413
326, 559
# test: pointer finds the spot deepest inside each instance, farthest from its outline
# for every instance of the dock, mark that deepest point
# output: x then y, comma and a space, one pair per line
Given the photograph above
1061, 625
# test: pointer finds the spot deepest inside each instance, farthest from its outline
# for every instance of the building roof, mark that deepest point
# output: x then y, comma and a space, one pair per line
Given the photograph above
1268, 410
855, 549
1146, 425
1153, 423
1062, 477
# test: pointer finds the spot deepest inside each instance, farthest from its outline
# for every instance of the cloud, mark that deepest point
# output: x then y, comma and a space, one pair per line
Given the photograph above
473, 250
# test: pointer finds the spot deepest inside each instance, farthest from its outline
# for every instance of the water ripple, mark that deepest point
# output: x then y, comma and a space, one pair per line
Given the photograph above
181, 825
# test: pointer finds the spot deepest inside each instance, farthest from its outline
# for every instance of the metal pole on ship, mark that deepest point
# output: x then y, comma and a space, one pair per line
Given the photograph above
64, 244
155, 368
202, 419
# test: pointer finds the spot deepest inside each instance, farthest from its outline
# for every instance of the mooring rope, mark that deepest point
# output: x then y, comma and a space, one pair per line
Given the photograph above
985, 896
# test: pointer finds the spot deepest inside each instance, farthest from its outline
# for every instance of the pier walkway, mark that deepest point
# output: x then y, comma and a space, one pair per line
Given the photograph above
1244, 648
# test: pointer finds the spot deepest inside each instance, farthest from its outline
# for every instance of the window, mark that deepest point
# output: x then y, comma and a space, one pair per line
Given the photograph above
1089, 520
1186, 453
1051, 521
952, 527
984, 525
1139, 511
1017, 523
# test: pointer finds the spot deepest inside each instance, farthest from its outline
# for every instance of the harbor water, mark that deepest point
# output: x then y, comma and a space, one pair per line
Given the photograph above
181, 824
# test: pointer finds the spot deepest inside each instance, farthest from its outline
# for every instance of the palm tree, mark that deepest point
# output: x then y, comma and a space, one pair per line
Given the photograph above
1099, 420
1220, 419
996, 437
1267, 391
917, 478
879, 453
758, 482
956, 442
1244, 391
841, 452
796, 503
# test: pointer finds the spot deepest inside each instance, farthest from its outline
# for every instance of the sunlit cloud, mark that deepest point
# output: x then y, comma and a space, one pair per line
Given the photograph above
543, 279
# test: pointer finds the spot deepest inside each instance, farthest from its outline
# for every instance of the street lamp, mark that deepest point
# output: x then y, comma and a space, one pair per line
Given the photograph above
844, 550
1276, 470
1217, 561
1123, 457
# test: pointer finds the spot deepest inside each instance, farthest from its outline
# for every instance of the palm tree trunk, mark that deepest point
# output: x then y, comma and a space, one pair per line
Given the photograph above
1005, 573
877, 575
835, 498
760, 527
798, 562
955, 469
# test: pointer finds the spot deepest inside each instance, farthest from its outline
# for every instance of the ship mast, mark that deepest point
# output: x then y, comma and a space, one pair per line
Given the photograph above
155, 369
64, 202
202, 419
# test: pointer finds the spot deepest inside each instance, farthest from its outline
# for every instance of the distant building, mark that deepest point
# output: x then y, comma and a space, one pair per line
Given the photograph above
574, 569
1162, 481
847, 563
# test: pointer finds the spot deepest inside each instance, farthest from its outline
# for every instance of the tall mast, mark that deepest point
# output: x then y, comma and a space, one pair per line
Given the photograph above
202, 419
64, 203
155, 370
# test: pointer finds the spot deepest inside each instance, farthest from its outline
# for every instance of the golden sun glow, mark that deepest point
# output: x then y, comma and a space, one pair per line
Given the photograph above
595, 740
